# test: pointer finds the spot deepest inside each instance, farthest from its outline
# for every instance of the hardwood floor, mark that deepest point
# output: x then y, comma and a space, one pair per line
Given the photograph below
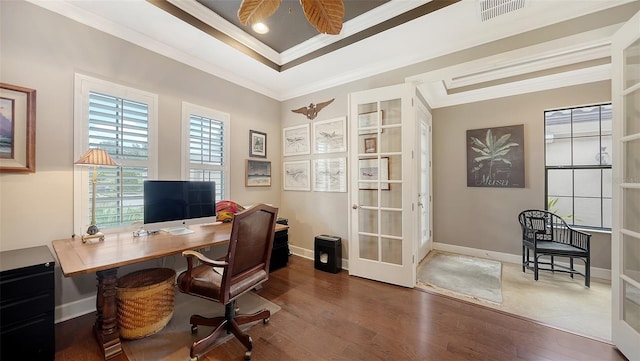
328, 316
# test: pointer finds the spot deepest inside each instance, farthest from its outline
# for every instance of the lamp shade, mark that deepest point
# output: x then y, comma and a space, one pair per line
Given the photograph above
96, 157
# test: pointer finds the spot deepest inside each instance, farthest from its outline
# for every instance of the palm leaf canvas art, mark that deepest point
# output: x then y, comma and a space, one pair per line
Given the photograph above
495, 157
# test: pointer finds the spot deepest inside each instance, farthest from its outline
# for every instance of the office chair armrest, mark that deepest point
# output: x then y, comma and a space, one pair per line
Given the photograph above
202, 258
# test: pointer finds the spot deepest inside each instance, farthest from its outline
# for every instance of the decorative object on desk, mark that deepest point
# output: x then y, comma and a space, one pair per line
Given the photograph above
296, 140
297, 176
258, 173
257, 144
470, 276
330, 175
17, 129
226, 209
330, 136
95, 157
145, 302
311, 112
495, 157
370, 170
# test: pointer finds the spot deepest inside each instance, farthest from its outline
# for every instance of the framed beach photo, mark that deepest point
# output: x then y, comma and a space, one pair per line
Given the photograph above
295, 140
297, 176
330, 175
17, 129
257, 144
330, 136
258, 173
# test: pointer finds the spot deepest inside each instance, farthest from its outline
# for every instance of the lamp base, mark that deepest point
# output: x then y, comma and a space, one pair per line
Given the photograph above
85, 237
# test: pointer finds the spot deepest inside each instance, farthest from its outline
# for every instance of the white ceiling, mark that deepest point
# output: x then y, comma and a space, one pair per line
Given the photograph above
451, 29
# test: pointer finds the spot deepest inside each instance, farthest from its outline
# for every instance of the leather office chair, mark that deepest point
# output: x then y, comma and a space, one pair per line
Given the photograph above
245, 266
546, 234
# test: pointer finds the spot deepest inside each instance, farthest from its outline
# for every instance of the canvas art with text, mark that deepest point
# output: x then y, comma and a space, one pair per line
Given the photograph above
495, 157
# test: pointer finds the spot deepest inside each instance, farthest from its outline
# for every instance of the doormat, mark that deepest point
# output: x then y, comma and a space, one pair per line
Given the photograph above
469, 276
173, 343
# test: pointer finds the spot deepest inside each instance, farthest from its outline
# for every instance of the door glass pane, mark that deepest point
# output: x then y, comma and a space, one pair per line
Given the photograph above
631, 258
391, 140
391, 250
391, 223
368, 220
368, 247
632, 165
391, 111
631, 206
631, 65
392, 198
631, 306
632, 109
368, 118
367, 198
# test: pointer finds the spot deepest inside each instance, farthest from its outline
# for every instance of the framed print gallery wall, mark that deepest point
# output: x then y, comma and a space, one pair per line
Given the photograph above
17, 129
295, 140
257, 144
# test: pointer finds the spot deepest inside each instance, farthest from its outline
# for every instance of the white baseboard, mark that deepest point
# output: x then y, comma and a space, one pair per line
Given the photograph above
309, 254
75, 309
600, 273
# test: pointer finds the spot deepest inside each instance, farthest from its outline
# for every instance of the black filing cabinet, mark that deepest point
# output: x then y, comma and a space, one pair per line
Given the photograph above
27, 304
280, 252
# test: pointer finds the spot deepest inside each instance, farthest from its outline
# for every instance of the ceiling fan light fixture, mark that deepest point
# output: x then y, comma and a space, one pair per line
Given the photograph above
260, 28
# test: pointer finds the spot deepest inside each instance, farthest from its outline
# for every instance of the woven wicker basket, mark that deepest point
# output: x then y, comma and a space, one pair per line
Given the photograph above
145, 302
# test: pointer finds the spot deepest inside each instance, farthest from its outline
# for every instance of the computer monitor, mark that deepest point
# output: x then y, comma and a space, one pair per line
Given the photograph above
171, 204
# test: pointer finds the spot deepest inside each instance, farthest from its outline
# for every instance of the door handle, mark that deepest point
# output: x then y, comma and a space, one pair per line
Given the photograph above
355, 206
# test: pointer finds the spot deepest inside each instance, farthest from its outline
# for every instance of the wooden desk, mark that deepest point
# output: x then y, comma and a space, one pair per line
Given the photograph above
120, 249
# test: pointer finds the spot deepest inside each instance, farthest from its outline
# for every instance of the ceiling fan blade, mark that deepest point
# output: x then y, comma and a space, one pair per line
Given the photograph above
253, 11
325, 15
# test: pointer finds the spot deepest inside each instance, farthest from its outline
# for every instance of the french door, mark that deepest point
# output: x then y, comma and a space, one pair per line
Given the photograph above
425, 205
625, 263
382, 220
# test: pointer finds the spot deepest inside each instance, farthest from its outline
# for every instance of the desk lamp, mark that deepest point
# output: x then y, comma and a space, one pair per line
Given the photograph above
95, 157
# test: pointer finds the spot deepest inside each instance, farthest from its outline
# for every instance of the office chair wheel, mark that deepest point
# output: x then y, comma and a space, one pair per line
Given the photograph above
194, 329
194, 358
247, 355
265, 321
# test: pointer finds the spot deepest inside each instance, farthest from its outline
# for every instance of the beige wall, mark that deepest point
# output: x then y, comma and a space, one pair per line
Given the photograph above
43, 51
486, 218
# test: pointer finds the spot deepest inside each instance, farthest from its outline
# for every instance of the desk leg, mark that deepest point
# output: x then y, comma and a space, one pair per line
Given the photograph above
106, 326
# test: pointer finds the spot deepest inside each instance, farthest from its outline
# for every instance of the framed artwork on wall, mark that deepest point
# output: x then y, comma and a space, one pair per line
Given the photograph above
295, 140
330, 136
370, 145
258, 173
17, 129
495, 157
297, 176
330, 175
369, 119
257, 144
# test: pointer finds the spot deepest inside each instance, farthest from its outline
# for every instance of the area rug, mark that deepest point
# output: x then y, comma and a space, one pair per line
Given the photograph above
174, 341
473, 277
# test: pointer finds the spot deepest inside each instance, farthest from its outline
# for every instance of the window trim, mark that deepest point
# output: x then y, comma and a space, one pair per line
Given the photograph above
225, 118
83, 84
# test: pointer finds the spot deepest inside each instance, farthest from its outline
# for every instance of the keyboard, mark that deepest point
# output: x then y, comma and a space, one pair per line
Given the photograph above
176, 231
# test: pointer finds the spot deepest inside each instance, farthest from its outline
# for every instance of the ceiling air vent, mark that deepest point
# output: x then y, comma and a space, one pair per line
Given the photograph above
489, 9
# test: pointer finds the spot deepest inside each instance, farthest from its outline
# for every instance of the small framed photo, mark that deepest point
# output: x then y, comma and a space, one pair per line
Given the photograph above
17, 129
258, 173
257, 144
297, 176
370, 145
329, 136
330, 175
369, 170
296, 140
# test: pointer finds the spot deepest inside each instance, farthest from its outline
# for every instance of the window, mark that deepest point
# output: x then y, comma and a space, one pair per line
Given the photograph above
578, 165
120, 120
206, 146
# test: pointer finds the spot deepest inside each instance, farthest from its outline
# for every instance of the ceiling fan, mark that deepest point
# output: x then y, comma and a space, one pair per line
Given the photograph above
325, 15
